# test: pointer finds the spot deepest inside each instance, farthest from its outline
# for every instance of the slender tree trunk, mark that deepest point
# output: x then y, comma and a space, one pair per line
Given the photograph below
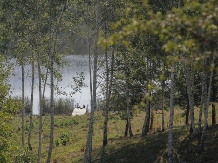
170, 136
214, 98
44, 111
145, 128
44, 85
108, 94
39, 80
152, 120
128, 123
90, 78
86, 154
187, 112
31, 110
127, 76
40, 111
190, 90
203, 96
126, 129
23, 105
213, 114
207, 103
88, 151
163, 86
51, 67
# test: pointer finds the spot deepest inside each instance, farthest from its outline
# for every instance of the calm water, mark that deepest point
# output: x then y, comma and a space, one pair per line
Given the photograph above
76, 64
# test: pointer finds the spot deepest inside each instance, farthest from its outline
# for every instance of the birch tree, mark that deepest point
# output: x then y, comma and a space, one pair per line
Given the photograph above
51, 67
109, 80
206, 106
88, 151
127, 82
37, 21
146, 124
170, 136
162, 109
203, 94
190, 90
31, 110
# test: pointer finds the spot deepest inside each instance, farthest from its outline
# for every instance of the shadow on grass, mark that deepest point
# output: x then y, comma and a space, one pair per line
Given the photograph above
150, 149
189, 151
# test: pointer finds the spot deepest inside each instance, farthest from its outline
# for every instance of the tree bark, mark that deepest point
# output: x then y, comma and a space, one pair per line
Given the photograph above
23, 105
152, 120
40, 111
31, 110
88, 150
187, 113
51, 67
190, 91
203, 96
45, 82
163, 86
145, 128
128, 123
108, 94
170, 136
214, 94
201, 147
213, 114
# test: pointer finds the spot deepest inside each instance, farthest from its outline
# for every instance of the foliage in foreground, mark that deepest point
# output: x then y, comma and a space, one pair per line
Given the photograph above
10, 150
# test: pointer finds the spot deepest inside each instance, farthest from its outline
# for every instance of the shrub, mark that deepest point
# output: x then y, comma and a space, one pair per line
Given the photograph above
57, 143
64, 138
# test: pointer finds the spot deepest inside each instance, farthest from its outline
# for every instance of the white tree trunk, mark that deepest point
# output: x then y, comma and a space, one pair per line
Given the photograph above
31, 109
51, 67
190, 91
203, 96
170, 136
108, 94
128, 125
45, 82
23, 107
163, 84
145, 128
207, 104
88, 150
40, 111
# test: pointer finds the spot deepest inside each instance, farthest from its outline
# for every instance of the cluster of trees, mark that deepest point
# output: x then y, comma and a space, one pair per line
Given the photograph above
36, 33
155, 55
161, 54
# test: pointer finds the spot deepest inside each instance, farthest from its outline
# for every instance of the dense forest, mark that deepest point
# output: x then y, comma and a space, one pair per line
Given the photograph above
152, 56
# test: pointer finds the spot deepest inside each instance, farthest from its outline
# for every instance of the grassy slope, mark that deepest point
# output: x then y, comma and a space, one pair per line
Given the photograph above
151, 149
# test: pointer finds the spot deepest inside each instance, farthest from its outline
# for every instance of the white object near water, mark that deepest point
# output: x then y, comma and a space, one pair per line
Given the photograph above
79, 111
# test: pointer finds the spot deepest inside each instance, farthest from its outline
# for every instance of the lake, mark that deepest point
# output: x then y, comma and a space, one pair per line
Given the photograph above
76, 64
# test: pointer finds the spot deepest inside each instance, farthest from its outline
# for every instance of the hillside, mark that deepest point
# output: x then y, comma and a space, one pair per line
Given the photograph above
70, 138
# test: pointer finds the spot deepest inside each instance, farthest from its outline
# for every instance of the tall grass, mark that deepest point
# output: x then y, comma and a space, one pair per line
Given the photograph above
62, 106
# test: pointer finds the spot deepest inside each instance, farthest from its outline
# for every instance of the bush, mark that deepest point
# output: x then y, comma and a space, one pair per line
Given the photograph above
64, 138
24, 156
57, 143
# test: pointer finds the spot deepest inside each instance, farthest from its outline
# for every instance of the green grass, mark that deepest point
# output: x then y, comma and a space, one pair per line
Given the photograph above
70, 138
